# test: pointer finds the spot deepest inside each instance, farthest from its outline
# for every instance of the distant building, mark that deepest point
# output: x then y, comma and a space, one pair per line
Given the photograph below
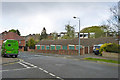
36, 37
71, 46
15, 36
75, 42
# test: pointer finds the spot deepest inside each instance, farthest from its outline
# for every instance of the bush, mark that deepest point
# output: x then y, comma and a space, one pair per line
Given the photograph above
113, 48
103, 47
110, 47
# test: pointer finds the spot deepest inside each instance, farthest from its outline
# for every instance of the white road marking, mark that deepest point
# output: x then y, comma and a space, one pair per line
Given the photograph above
29, 64
58, 77
40, 68
23, 65
51, 74
45, 71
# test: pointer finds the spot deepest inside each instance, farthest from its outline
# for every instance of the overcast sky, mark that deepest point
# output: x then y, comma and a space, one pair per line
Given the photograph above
31, 17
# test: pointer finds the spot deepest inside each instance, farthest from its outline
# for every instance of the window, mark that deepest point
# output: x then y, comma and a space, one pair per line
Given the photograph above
77, 47
9, 45
52, 47
64, 47
42, 47
58, 47
19, 42
47, 47
72, 47
38, 46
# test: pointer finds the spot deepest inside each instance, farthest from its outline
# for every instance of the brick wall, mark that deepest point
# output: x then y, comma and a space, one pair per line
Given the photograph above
21, 42
1, 43
65, 52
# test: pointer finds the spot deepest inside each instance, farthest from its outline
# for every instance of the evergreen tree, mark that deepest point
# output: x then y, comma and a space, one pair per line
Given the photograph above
43, 34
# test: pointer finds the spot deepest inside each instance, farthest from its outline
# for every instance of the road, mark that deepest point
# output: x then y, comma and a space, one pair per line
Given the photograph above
40, 66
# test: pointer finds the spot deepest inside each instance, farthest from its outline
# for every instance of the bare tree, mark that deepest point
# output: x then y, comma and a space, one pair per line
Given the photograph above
113, 21
119, 22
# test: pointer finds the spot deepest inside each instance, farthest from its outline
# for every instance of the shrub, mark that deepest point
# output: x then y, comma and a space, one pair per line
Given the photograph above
103, 47
113, 48
110, 47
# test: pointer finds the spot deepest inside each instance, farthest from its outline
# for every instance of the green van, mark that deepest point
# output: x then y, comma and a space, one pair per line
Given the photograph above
10, 48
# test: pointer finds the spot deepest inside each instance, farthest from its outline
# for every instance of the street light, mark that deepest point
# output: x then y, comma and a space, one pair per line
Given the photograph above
79, 32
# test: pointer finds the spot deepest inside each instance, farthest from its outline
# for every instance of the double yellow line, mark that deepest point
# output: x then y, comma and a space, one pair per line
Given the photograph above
12, 62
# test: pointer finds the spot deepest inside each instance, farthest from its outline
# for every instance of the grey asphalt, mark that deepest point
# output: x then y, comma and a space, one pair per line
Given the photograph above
58, 67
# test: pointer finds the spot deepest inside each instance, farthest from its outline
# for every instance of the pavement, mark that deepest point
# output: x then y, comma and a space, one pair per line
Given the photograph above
5, 60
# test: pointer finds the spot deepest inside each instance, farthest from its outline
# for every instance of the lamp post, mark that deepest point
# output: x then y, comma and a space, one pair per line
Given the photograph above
79, 32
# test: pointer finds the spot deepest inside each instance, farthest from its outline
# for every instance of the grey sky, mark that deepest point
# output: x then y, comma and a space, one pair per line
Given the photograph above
31, 17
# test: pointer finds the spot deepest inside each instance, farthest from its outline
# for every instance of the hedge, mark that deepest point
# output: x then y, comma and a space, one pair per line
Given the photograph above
110, 47
113, 48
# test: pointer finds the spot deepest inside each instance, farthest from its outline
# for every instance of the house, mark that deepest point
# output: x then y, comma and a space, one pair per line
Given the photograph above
36, 37
15, 36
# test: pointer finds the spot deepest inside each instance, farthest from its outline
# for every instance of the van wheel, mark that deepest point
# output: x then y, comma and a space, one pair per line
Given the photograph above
11, 55
3, 55
15, 56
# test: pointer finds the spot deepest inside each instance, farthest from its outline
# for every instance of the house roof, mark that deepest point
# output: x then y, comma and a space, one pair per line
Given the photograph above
84, 42
12, 35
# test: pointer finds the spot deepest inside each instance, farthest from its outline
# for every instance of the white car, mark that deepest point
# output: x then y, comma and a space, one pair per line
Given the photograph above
96, 48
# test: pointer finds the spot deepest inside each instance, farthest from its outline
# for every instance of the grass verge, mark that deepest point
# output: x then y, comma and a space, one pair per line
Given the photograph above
103, 60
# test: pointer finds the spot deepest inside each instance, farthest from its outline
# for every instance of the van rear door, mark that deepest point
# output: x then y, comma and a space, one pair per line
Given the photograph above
12, 47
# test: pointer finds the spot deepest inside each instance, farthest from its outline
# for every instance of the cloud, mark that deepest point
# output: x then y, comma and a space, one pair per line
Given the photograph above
32, 17
60, 0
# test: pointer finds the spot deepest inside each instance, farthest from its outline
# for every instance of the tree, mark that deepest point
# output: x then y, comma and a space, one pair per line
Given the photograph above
15, 31
18, 32
113, 21
70, 32
98, 30
31, 43
43, 34
55, 35
12, 30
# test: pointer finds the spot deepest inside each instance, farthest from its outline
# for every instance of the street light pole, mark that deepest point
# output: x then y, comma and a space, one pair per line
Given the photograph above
79, 33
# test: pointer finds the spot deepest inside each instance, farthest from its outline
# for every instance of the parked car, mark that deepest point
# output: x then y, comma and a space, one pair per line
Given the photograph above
96, 49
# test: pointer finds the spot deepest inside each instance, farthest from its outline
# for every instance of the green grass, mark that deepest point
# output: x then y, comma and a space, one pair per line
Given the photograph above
103, 60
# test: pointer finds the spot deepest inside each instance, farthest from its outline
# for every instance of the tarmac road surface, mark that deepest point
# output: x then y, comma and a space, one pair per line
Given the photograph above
32, 65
